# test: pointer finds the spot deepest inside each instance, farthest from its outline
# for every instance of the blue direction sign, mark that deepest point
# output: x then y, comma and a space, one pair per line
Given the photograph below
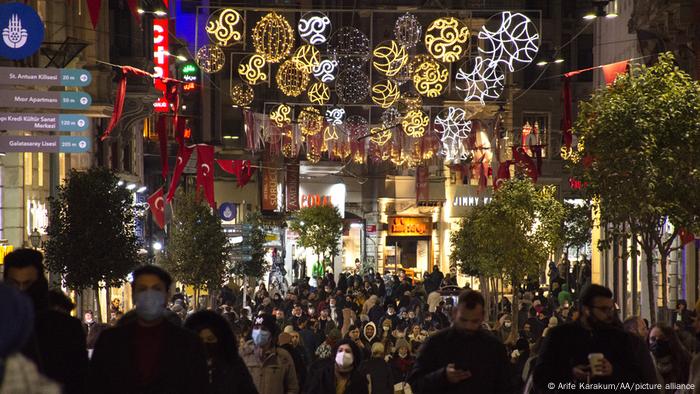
51, 143
43, 122
22, 31
44, 99
74, 77
227, 211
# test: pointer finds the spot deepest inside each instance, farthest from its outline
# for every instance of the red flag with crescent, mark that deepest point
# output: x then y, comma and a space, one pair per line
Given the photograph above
157, 205
205, 172
524, 159
183, 156
502, 175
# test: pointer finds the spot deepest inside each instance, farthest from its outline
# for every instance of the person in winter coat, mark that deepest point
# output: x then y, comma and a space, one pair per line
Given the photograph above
225, 366
369, 335
378, 371
340, 374
416, 338
565, 295
402, 361
672, 360
285, 342
325, 350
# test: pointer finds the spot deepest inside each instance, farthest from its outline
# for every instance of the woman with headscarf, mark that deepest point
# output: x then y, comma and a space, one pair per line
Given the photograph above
340, 374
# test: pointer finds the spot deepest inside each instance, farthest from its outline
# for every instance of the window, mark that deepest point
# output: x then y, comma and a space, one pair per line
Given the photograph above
126, 158
535, 131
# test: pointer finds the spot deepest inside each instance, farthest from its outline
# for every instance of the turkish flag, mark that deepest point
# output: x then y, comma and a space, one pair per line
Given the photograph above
242, 169
118, 106
94, 11
183, 156
566, 120
521, 157
612, 70
157, 206
205, 172
686, 236
161, 128
503, 174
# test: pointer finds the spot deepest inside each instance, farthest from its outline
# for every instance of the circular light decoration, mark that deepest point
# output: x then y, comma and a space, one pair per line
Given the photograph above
391, 118
414, 123
292, 78
308, 56
389, 58
281, 115
224, 27
314, 27
352, 86
484, 81
252, 69
319, 93
407, 30
453, 125
210, 58
385, 93
509, 38
241, 94
380, 135
430, 78
335, 116
310, 121
409, 101
325, 71
356, 126
447, 39
273, 37
349, 47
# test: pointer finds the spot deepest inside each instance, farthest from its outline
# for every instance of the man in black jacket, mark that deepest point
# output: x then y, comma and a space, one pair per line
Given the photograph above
148, 354
564, 356
462, 358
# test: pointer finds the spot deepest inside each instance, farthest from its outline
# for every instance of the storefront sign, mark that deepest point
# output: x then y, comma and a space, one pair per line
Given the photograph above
269, 188
293, 186
464, 198
72, 77
50, 143
371, 228
470, 201
43, 122
409, 226
44, 99
313, 194
22, 31
313, 200
161, 58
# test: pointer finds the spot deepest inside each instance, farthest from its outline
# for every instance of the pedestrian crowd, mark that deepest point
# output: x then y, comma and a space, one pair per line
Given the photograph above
364, 333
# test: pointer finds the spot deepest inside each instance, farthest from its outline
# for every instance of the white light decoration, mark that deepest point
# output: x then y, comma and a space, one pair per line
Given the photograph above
335, 116
210, 58
447, 39
349, 47
314, 27
385, 93
408, 30
356, 126
325, 71
224, 27
352, 86
509, 38
453, 126
389, 58
391, 118
252, 69
478, 79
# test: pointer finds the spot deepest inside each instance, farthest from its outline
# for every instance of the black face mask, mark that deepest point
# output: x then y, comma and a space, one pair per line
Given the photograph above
660, 348
39, 293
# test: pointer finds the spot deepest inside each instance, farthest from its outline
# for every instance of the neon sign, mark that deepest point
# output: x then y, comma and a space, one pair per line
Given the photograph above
161, 59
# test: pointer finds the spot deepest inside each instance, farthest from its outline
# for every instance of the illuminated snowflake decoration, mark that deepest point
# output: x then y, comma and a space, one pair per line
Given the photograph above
513, 43
483, 81
325, 71
314, 27
453, 126
408, 30
349, 47
335, 116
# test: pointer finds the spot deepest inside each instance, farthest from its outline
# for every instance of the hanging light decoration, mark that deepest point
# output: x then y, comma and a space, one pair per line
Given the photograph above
241, 94
210, 59
390, 118
335, 116
453, 126
273, 37
224, 27
308, 56
330, 134
349, 47
252, 69
385, 93
281, 115
407, 30
409, 101
292, 78
319, 93
380, 135
310, 121
430, 78
414, 123
389, 58
510, 39
483, 81
325, 71
447, 39
314, 27
352, 86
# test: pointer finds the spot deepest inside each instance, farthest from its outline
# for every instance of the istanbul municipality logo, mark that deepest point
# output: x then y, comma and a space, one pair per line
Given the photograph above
22, 31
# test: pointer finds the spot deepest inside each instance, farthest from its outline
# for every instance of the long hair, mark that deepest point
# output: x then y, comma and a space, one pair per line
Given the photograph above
680, 357
357, 355
218, 325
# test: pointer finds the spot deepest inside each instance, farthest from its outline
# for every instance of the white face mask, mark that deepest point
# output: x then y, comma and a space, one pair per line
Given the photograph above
344, 360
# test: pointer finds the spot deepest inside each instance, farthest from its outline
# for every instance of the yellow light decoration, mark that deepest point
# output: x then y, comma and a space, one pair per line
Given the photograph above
310, 121
380, 135
313, 157
292, 78
281, 115
224, 27
330, 134
210, 58
273, 37
252, 69
385, 93
430, 78
308, 56
409, 101
241, 94
319, 93
415, 123
447, 39
389, 58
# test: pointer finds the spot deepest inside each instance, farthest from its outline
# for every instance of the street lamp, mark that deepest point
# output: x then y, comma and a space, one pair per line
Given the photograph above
35, 238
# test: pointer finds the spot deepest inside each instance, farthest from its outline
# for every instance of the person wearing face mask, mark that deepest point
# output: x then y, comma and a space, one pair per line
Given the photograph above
148, 353
402, 362
224, 364
391, 315
594, 349
57, 344
339, 374
672, 360
271, 367
503, 327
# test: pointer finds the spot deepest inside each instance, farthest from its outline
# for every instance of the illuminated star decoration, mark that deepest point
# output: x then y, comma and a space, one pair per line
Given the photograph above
454, 127
335, 116
325, 71
484, 81
308, 56
447, 39
314, 27
514, 43
252, 69
221, 27
281, 115
319, 93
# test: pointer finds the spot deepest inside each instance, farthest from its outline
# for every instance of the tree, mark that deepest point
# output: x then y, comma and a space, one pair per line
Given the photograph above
91, 237
197, 251
319, 228
639, 157
253, 246
512, 236
578, 225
